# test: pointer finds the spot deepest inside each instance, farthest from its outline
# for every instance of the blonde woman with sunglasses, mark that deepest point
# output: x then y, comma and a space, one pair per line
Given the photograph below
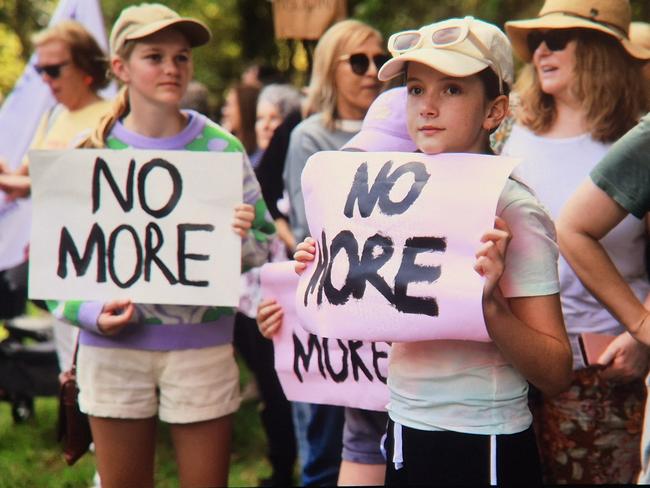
581, 90
343, 85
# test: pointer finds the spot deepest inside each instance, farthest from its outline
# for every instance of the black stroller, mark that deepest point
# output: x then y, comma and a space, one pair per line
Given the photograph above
28, 360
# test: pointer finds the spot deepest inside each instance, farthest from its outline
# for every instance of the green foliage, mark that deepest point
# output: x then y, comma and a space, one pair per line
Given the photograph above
10, 58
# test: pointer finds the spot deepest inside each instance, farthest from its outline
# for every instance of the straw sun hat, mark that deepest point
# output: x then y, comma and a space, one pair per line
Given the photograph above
611, 17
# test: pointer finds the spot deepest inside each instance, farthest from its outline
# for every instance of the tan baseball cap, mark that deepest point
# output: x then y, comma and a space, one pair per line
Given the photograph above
456, 47
139, 21
611, 17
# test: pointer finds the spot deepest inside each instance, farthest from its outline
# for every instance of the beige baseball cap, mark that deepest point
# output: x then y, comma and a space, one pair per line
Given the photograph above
139, 21
456, 47
611, 17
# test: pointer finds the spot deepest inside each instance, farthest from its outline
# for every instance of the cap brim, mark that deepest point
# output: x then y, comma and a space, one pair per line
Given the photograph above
374, 140
446, 61
195, 31
518, 31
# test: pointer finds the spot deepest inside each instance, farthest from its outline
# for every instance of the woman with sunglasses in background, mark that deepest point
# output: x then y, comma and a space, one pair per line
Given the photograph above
581, 90
343, 85
74, 67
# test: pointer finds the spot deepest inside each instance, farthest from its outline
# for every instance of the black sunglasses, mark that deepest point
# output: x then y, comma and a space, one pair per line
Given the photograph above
360, 62
51, 70
556, 39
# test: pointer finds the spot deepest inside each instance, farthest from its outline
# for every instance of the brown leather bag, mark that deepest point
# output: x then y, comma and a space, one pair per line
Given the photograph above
74, 429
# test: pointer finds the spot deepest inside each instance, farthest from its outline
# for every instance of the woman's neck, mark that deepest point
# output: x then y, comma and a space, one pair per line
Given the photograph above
154, 121
570, 119
347, 112
84, 99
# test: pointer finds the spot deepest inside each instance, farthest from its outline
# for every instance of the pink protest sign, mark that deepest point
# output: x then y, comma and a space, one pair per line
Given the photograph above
396, 238
312, 369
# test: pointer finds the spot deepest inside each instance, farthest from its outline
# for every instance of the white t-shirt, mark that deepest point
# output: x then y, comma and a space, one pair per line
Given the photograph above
467, 386
554, 168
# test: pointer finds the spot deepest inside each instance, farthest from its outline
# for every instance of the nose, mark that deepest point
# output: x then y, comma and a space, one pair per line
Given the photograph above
171, 66
542, 49
429, 107
372, 69
47, 79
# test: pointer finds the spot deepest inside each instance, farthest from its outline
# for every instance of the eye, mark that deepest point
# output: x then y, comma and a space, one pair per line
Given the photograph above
453, 89
155, 57
415, 90
182, 58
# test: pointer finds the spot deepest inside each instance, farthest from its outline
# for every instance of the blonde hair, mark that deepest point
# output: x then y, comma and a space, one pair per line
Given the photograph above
84, 49
119, 108
608, 82
322, 96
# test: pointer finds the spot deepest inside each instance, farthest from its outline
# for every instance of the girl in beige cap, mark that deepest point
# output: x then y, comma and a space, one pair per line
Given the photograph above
139, 362
581, 90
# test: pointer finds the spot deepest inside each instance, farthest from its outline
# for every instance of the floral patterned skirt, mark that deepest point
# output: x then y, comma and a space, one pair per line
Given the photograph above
591, 434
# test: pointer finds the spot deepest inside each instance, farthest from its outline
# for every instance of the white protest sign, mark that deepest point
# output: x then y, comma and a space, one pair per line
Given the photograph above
396, 240
152, 226
319, 370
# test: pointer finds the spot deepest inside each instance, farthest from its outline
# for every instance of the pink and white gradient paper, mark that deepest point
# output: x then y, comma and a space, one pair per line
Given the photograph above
347, 373
456, 204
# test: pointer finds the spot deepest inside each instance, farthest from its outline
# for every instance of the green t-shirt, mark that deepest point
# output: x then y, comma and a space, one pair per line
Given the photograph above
624, 173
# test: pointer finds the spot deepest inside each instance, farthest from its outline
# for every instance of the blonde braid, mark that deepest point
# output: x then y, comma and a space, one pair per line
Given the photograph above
120, 108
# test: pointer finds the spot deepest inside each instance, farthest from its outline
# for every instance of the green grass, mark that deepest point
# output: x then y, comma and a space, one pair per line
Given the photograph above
30, 456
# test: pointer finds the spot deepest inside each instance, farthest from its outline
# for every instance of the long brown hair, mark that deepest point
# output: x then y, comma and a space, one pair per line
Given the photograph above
608, 82
246, 96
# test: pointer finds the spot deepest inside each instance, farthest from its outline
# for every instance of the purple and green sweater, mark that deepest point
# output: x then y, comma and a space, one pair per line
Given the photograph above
177, 327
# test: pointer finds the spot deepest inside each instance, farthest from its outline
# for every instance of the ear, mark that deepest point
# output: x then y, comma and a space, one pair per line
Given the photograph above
120, 69
497, 111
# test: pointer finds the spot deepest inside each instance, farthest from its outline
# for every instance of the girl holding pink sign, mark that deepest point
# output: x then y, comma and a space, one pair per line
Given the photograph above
458, 409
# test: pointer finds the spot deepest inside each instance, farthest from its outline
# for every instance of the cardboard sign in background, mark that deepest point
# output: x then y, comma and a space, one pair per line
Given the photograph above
396, 239
336, 372
151, 226
306, 19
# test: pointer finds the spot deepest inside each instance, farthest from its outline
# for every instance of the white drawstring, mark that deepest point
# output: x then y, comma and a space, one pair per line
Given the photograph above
398, 458
493, 460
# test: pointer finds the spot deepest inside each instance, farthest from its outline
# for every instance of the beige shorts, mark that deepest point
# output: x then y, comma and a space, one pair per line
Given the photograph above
182, 387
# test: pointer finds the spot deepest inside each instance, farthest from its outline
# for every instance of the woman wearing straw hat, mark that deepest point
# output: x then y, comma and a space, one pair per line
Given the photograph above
581, 90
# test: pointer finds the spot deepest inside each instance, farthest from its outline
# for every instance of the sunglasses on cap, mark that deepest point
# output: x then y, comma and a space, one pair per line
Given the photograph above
555, 39
360, 62
51, 70
443, 37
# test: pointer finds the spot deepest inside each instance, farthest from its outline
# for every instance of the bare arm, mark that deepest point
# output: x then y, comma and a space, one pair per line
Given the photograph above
529, 331
587, 217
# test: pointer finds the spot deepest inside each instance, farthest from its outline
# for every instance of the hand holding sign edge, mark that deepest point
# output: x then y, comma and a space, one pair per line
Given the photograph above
269, 317
115, 315
305, 253
243, 220
490, 257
